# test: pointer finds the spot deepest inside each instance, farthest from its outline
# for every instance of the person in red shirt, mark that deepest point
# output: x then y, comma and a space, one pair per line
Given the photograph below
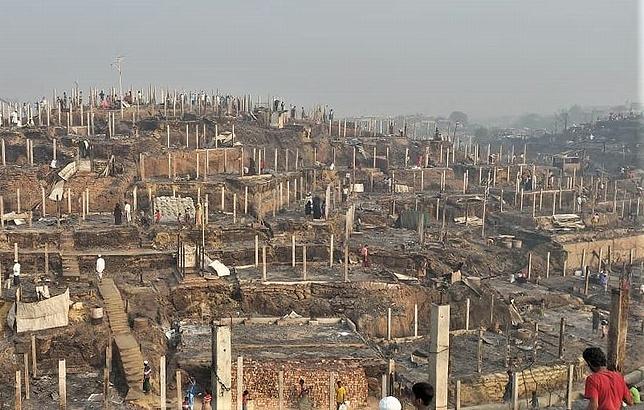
604, 388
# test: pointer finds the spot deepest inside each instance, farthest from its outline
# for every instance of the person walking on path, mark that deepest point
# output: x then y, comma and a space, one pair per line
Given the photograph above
100, 267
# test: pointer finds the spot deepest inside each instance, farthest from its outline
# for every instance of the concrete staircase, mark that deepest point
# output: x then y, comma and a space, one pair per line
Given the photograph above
71, 269
126, 343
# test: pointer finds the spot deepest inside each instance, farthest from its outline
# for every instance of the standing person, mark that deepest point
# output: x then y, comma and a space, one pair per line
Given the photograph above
604, 328
340, 395
303, 401
100, 267
364, 252
596, 320
128, 213
423, 395
147, 374
192, 391
534, 401
16, 272
308, 205
157, 216
245, 399
206, 401
604, 388
117, 214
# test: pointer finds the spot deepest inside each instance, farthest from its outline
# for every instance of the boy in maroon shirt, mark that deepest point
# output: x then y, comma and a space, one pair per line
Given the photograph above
605, 389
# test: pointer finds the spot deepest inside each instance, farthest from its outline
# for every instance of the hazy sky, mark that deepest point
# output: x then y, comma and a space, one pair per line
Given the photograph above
485, 57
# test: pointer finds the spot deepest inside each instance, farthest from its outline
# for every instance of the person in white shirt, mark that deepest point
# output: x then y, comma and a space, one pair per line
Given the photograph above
16, 273
128, 212
100, 267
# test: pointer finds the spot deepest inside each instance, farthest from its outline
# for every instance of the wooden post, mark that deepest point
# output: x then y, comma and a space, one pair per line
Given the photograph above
235, 208
34, 366
331, 250
529, 265
346, 262
415, 320
457, 400
388, 323
18, 200
1, 212
467, 314
162, 382
25, 358
62, 384
562, 328
479, 352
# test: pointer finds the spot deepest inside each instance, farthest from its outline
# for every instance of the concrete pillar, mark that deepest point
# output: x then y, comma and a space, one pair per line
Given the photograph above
256, 250
240, 381
280, 389
162, 383
304, 262
617, 328
221, 367
571, 373
467, 314
62, 384
457, 401
562, 329
264, 263
293, 251
439, 354
388, 323
330, 249
515, 391
547, 265
18, 390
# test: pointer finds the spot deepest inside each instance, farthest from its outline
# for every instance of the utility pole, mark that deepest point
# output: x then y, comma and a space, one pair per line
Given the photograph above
118, 64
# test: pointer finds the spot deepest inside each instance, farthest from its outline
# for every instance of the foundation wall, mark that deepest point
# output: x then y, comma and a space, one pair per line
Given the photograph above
490, 388
620, 249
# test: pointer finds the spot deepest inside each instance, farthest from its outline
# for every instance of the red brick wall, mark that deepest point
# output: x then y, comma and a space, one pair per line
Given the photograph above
261, 380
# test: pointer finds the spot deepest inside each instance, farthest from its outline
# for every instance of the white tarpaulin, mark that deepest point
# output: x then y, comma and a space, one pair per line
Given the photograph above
220, 268
68, 171
57, 193
46, 314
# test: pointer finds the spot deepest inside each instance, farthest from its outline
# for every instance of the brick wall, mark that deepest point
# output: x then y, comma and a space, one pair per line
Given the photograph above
490, 387
261, 380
